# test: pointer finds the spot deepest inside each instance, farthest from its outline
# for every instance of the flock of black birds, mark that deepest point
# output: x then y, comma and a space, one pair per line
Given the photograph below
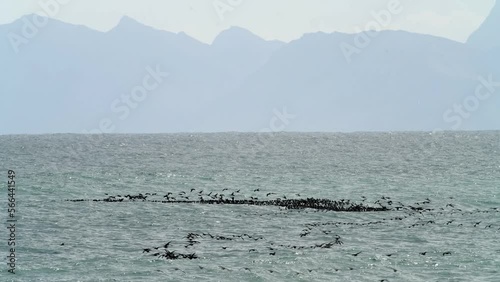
421, 214
193, 239
230, 199
167, 254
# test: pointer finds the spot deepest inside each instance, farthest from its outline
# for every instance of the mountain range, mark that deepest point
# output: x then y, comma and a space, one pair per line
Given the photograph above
71, 79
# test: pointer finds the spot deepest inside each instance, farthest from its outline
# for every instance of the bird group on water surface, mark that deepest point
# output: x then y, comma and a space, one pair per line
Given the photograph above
421, 213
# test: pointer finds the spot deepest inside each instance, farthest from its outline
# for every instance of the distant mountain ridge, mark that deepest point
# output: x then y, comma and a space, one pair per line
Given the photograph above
67, 78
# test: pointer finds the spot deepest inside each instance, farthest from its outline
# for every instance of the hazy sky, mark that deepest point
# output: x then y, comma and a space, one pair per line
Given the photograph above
271, 19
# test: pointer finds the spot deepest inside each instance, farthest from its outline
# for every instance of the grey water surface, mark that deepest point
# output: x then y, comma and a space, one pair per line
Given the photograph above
454, 177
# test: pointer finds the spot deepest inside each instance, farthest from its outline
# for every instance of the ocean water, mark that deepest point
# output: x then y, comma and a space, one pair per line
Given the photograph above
454, 177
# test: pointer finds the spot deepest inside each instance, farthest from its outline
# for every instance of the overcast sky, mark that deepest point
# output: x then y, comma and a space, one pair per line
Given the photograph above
271, 19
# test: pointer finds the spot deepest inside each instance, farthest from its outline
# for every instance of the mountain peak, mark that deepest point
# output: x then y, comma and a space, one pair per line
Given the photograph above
127, 21
485, 37
236, 30
235, 34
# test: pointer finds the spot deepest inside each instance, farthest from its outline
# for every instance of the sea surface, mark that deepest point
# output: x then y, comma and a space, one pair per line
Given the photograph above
442, 191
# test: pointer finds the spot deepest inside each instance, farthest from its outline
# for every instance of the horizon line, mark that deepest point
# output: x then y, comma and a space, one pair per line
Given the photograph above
431, 132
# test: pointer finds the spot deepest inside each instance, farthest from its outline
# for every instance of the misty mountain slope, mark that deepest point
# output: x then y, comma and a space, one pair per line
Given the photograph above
80, 72
487, 37
401, 81
238, 51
